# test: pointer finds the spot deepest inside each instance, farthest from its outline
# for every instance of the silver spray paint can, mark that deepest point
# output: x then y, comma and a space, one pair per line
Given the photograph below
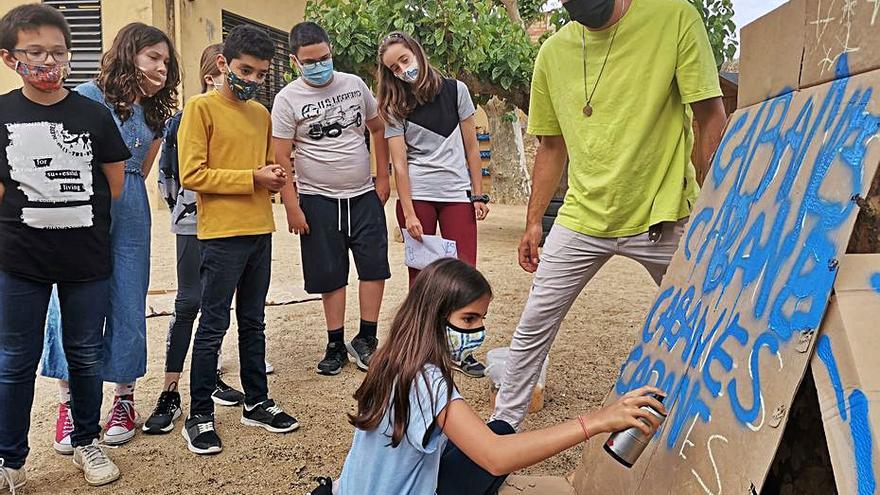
626, 446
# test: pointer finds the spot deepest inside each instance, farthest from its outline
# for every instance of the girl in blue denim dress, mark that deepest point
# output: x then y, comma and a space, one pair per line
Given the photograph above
138, 83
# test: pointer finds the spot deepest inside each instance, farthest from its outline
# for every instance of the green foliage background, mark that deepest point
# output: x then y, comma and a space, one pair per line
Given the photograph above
474, 41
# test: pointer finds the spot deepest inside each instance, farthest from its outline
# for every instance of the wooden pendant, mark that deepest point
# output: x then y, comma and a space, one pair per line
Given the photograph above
588, 110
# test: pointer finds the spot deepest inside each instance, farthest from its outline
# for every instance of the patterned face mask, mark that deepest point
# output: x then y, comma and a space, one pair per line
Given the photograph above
410, 74
463, 341
242, 89
43, 77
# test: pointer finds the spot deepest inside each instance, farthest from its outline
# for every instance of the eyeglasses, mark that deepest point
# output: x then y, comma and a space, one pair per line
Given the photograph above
39, 55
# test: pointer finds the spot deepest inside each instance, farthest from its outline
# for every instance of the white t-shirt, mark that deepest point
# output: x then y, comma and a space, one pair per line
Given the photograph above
436, 158
327, 125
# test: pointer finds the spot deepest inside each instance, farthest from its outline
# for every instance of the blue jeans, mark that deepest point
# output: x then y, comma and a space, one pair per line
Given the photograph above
23, 305
459, 475
125, 335
239, 267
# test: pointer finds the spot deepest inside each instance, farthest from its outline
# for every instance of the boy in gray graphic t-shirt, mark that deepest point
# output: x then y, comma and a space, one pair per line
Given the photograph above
321, 118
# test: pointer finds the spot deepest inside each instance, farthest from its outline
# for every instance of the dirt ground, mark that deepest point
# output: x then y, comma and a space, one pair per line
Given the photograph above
594, 339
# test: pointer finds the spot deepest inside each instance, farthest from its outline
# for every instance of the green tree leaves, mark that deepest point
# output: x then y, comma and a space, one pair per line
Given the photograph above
472, 40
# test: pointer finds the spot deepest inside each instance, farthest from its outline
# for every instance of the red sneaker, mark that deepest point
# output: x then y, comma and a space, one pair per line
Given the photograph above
122, 421
63, 429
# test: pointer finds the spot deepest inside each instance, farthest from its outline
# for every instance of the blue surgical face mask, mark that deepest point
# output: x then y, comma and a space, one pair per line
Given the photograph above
463, 341
318, 73
242, 88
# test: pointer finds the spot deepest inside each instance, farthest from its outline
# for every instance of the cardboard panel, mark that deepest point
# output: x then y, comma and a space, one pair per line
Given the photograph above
838, 28
771, 53
730, 333
847, 374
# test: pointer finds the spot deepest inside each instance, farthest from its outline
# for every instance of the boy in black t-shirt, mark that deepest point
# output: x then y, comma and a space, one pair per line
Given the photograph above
61, 163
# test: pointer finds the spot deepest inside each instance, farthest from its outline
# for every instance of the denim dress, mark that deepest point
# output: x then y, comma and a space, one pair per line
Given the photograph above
125, 331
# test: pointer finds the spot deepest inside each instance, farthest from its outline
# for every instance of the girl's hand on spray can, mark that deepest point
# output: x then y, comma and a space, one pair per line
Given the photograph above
627, 412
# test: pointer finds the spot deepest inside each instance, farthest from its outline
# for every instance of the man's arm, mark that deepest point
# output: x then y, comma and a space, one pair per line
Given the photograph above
712, 118
549, 164
380, 146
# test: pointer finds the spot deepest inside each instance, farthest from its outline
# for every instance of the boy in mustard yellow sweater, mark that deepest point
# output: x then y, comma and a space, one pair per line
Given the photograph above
226, 157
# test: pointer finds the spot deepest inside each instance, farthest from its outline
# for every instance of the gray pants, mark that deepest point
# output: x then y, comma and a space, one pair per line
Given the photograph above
569, 260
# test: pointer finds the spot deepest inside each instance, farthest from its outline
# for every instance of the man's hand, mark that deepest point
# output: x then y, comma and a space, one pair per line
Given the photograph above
296, 220
2, 191
271, 177
383, 189
528, 248
481, 210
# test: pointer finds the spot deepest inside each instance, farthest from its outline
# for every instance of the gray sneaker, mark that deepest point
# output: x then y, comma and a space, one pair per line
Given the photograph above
362, 349
12, 478
96, 466
470, 367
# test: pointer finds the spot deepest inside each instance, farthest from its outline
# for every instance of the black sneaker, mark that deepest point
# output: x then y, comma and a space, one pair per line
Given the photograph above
224, 395
361, 349
269, 416
201, 438
166, 412
334, 359
471, 367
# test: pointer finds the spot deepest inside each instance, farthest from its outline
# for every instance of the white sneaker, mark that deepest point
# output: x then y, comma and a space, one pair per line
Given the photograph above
96, 466
13, 478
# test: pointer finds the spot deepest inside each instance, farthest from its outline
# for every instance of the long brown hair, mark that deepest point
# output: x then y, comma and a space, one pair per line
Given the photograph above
118, 78
417, 337
397, 99
208, 64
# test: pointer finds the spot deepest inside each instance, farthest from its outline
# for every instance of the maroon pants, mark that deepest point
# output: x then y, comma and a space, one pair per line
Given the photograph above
458, 223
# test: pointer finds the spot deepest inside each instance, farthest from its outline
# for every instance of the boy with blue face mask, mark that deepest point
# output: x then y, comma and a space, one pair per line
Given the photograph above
335, 205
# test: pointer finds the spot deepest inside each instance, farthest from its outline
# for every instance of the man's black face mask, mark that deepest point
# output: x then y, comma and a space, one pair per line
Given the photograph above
591, 13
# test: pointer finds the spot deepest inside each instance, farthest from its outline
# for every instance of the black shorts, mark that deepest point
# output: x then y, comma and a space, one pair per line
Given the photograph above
335, 227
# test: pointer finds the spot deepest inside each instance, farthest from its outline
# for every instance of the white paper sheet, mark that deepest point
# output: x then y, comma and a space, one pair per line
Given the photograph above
418, 255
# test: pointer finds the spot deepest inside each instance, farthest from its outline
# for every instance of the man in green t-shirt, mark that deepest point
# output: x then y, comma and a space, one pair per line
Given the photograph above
616, 93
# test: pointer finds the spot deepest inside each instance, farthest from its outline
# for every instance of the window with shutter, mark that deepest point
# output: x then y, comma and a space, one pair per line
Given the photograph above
280, 62
84, 17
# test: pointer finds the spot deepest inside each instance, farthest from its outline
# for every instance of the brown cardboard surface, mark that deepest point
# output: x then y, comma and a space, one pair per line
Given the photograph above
771, 53
835, 28
731, 332
536, 485
847, 374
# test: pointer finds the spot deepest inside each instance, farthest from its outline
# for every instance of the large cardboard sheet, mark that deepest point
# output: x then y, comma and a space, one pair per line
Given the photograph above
732, 329
840, 27
847, 374
771, 54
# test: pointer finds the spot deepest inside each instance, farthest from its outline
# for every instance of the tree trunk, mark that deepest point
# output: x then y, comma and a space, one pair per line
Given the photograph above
512, 7
510, 177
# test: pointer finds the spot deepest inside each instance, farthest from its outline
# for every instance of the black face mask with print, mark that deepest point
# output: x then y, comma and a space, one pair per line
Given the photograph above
591, 13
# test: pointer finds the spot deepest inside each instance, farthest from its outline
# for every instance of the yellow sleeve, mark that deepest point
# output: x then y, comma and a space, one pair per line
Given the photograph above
696, 74
196, 174
270, 148
542, 116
